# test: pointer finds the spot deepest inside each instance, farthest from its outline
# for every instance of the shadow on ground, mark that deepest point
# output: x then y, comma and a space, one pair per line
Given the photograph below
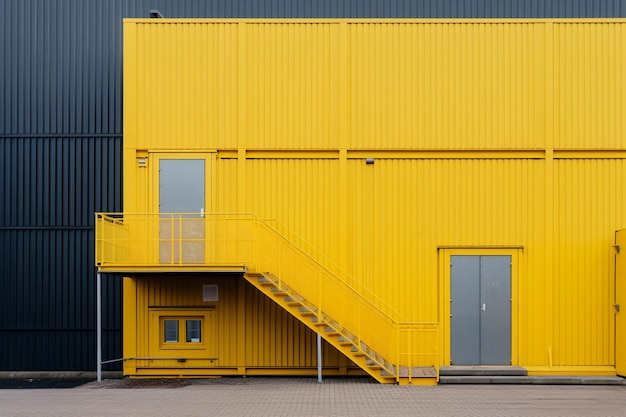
41, 383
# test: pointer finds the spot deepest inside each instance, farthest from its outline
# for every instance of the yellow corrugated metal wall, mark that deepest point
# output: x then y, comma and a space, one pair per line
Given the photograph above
589, 202
403, 85
484, 133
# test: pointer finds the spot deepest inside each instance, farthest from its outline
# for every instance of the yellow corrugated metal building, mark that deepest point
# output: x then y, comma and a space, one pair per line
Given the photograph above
421, 192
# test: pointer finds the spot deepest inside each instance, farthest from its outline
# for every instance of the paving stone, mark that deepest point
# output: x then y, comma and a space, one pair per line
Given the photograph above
294, 397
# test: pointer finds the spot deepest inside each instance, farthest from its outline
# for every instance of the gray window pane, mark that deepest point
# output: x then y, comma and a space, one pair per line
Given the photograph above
170, 331
194, 331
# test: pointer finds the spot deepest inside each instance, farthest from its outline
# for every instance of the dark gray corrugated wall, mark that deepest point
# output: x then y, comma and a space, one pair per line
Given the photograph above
61, 147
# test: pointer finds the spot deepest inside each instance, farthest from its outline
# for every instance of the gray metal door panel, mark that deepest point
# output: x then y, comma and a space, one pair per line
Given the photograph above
464, 310
495, 320
480, 309
181, 185
182, 190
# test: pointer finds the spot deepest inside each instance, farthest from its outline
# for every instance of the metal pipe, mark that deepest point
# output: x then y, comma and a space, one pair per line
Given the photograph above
99, 325
319, 358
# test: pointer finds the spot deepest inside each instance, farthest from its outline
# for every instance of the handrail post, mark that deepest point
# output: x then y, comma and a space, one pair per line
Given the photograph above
172, 239
319, 294
409, 348
99, 326
98, 237
180, 238
255, 248
398, 353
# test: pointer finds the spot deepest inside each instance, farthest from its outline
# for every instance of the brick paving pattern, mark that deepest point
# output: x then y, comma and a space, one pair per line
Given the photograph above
278, 397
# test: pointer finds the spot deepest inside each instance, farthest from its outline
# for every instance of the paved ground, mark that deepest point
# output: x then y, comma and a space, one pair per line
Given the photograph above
305, 397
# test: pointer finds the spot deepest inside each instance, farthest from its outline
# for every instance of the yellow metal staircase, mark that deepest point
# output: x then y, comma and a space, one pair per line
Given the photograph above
286, 269
349, 317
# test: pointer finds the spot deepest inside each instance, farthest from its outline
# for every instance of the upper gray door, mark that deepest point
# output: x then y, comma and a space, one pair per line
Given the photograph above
181, 185
182, 201
480, 309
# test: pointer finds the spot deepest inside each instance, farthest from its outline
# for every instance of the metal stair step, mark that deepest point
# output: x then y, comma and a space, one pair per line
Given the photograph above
372, 364
291, 301
278, 292
317, 322
476, 370
329, 331
343, 341
531, 380
264, 281
305, 311
356, 352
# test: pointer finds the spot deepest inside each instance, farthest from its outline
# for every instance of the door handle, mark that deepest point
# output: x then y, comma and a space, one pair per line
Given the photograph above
202, 212
484, 307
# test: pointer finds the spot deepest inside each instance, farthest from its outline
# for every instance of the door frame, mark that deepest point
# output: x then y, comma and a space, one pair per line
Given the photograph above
210, 181
445, 254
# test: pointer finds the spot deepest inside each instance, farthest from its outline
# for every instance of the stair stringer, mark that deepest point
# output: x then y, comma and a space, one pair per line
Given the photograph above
331, 330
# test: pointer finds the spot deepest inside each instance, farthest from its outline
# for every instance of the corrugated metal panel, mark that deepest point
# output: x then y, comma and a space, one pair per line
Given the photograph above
64, 74
59, 182
214, 123
276, 186
51, 187
47, 301
447, 85
403, 85
587, 207
589, 91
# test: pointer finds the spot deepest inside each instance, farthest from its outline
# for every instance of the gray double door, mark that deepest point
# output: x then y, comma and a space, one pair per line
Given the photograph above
480, 309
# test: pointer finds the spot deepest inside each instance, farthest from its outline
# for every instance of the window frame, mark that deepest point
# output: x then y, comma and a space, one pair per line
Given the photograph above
182, 320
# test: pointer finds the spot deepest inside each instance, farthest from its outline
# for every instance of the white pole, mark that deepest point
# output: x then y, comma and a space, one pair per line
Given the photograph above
319, 358
99, 325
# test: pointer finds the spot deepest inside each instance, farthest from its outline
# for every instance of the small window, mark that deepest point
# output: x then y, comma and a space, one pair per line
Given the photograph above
194, 331
171, 331
181, 332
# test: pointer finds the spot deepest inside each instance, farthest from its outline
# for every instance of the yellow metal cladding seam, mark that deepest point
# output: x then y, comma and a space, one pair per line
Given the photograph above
484, 133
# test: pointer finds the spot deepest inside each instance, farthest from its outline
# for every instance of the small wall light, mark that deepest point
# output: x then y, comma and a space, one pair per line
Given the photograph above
155, 14
369, 161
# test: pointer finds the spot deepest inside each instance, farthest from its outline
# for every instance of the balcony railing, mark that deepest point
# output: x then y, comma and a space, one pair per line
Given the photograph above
127, 242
